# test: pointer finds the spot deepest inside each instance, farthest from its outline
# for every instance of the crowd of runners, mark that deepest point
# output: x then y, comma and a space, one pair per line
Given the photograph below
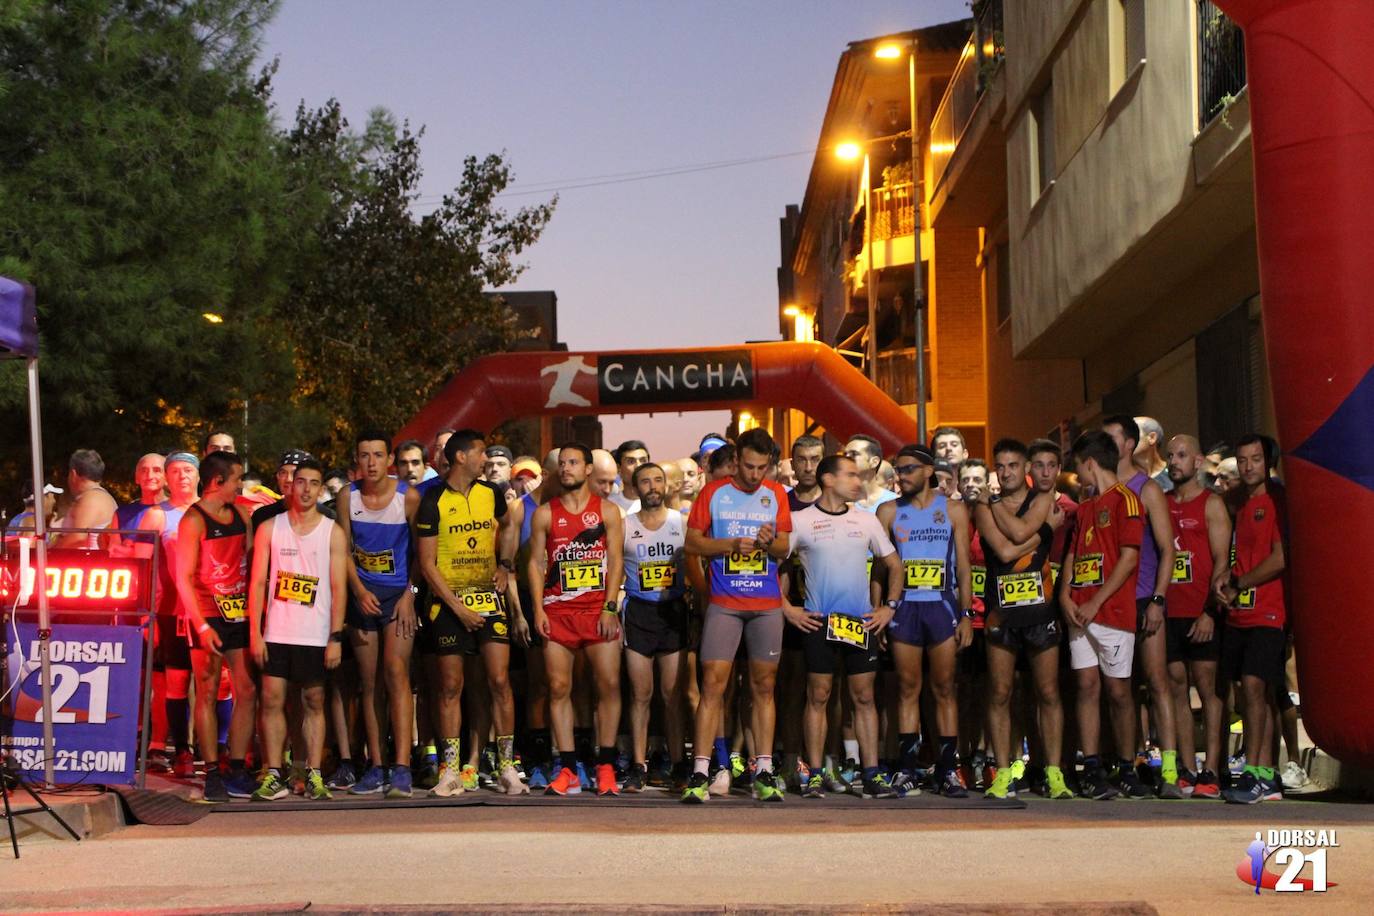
447, 617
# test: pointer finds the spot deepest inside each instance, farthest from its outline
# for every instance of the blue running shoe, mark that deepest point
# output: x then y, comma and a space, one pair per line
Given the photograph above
1248, 790
539, 778
373, 782
582, 774
400, 783
240, 784
343, 776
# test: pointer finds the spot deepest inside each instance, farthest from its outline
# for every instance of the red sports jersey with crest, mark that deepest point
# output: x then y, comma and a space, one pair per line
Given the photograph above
1105, 525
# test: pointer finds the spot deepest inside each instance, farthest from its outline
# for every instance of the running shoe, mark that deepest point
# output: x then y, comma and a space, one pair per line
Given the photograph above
296, 779
270, 787
429, 775
399, 785
1236, 765
511, 783
239, 784
1002, 786
1186, 780
1055, 787
1169, 790
766, 787
605, 780
1206, 785
952, 786
1130, 785
877, 786
343, 776
905, 782
373, 782
1247, 791
1294, 777
720, 783
815, 787
1096, 786
1018, 775
658, 774
487, 767
1272, 788
449, 784
582, 774
539, 779
184, 765
469, 777
697, 791
850, 772
214, 787
835, 782
565, 783
316, 790
634, 780
737, 765
800, 776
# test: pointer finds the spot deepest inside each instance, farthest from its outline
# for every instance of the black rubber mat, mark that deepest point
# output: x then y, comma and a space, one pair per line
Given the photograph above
649, 799
163, 809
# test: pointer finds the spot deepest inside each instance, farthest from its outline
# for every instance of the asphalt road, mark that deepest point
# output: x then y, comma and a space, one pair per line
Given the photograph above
1170, 857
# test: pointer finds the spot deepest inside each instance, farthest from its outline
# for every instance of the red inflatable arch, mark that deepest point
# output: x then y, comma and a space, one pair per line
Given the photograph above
806, 376
1311, 78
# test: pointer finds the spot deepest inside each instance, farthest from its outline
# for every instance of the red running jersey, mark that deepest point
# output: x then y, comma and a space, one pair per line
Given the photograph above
1260, 524
576, 551
222, 577
1105, 525
1191, 582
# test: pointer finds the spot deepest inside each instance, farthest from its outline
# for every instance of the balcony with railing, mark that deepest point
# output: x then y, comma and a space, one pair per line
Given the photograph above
977, 66
1220, 61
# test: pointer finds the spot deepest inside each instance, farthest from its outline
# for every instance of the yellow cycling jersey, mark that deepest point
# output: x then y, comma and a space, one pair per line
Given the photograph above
465, 526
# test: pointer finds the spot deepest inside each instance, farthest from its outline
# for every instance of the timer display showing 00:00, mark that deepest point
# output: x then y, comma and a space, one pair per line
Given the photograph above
90, 584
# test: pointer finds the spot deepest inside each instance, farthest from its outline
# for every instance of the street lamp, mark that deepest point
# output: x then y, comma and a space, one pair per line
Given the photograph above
893, 50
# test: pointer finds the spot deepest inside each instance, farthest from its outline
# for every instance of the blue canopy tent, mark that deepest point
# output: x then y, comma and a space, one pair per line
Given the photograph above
19, 340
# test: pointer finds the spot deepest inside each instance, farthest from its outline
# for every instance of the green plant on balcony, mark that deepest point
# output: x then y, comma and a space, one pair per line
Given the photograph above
900, 173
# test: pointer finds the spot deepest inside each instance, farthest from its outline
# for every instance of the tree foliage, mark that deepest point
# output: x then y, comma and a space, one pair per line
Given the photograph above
144, 185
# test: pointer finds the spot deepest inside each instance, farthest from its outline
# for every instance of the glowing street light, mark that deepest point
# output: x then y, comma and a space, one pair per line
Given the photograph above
888, 51
791, 311
849, 151
212, 317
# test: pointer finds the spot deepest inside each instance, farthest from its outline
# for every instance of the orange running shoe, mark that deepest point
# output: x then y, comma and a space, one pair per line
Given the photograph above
565, 783
605, 780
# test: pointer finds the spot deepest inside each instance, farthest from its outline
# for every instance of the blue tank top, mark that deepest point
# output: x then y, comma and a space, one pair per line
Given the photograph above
381, 538
1149, 552
924, 539
128, 517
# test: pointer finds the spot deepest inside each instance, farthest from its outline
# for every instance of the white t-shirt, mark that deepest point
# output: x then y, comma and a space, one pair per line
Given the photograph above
834, 552
299, 590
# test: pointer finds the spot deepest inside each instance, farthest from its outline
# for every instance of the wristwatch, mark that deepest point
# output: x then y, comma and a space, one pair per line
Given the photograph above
507, 565
1157, 599
968, 613
612, 608
893, 603
336, 636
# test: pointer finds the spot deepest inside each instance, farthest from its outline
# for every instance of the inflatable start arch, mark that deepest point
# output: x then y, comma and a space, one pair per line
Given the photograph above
1311, 79
807, 376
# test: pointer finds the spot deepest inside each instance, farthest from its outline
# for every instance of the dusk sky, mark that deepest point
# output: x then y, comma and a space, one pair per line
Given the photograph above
574, 90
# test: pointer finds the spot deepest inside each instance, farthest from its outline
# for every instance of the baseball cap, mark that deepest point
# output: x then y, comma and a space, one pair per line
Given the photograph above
921, 453
710, 444
942, 464
525, 467
499, 451
27, 490
293, 456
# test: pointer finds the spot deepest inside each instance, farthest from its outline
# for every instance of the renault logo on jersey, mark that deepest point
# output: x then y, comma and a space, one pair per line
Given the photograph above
472, 543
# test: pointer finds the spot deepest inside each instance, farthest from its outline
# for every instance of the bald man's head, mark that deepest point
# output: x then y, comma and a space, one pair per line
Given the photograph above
604, 472
1184, 458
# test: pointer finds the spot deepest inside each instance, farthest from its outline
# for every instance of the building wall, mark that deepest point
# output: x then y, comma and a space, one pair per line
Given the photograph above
956, 296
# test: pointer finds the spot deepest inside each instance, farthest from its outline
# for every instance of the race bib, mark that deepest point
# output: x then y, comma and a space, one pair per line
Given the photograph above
1246, 599
1183, 567
978, 577
925, 575
846, 629
232, 607
752, 563
380, 562
581, 575
1020, 589
295, 588
481, 602
1087, 570
655, 577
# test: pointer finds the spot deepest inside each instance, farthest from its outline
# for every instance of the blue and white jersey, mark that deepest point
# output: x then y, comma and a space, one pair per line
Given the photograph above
381, 538
834, 551
884, 496
925, 540
653, 558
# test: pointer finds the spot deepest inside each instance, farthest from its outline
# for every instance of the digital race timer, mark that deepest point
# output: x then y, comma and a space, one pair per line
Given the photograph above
80, 580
